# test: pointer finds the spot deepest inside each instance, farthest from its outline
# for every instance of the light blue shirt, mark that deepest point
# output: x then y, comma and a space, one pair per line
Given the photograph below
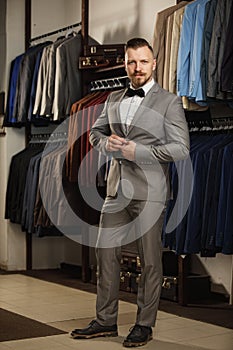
185, 48
195, 82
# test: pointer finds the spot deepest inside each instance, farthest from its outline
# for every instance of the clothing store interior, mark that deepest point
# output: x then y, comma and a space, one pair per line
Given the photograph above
60, 60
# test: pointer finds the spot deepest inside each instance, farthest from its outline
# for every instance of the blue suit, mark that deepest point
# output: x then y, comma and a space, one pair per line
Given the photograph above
207, 226
14, 72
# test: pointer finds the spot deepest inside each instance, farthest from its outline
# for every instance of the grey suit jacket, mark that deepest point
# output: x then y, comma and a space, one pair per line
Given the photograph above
160, 132
68, 87
217, 43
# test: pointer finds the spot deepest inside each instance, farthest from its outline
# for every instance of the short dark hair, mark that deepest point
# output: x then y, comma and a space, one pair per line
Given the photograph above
135, 43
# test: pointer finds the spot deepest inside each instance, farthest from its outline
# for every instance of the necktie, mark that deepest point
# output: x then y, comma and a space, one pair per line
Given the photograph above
131, 92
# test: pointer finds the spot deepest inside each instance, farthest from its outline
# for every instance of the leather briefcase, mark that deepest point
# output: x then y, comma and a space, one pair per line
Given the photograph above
97, 56
125, 281
135, 277
170, 288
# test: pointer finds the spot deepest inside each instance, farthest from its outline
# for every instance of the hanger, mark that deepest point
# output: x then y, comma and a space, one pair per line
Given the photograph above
109, 83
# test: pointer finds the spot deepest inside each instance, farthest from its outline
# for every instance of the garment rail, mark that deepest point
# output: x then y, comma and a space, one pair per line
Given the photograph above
223, 124
110, 83
48, 138
56, 32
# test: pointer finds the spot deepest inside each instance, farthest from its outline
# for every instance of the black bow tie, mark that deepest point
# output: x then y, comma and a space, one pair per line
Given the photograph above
131, 92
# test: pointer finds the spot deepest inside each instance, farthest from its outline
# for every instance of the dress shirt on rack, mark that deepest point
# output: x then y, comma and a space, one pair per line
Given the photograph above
159, 38
195, 84
186, 56
192, 44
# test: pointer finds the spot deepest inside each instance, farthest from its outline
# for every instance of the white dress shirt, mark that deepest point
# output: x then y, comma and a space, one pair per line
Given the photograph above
129, 105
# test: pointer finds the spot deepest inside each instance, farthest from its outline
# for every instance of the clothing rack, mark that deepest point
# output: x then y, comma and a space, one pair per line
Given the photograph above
223, 123
183, 261
218, 125
48, 138
96, 74
193, 118
28, 40
55, 32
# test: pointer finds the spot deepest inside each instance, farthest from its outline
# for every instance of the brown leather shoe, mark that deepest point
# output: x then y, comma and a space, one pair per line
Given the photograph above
94, 330
138, 336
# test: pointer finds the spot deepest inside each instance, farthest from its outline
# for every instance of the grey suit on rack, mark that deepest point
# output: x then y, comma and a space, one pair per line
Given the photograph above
68, 87
136, 189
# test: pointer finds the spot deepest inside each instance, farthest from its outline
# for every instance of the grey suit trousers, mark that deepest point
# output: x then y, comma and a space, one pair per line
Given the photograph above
123, 221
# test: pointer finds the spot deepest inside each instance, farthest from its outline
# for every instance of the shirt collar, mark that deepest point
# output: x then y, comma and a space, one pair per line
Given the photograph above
147, 86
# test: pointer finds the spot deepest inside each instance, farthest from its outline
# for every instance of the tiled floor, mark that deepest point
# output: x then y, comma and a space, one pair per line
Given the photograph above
67, 308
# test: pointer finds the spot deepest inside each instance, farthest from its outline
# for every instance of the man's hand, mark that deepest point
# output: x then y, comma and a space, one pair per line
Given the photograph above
128, 150
116, 143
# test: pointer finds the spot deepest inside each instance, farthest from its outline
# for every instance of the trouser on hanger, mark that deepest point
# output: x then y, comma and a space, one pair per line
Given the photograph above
118, 217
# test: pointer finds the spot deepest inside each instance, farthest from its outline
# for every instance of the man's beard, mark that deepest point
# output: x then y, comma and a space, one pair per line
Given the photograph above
140, 82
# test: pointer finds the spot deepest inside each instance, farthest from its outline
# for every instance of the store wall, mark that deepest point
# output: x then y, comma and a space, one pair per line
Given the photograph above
2, 43
2, 88
12, 245
108, 23
127, 19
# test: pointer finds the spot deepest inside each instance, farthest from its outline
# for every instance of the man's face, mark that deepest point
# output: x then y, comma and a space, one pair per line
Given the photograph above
139, 65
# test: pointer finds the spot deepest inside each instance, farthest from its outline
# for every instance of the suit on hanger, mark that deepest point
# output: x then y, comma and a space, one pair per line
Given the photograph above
226, 77
12, 90
175, 39
217, 44
159, 38
68, 87
24, 82
207, 33
68, 82
48, 87
41, 79
160, 132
